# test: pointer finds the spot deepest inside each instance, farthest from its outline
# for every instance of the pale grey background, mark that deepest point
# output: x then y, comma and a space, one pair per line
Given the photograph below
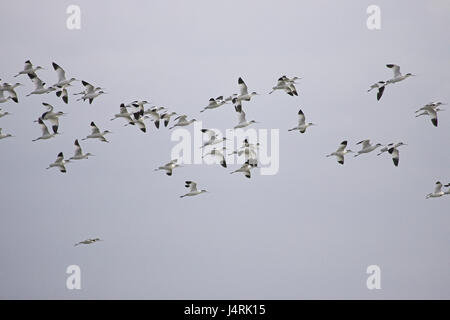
308, 232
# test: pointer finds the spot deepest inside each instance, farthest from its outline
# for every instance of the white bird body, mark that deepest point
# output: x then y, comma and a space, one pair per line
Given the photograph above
4, 136
29, 69
244, 95
193, 189
90, 92
367, 147
341, 152
431, 110
217, 154
62, 81
39, 86
45, 133
245, 168
397, 74
96, 134
166, 117
2, 96
437, 191
78, 154
302, 125
214, 103
169, 167
242, 121
212, 138
59, 163
182, 121
123, 113
10, 88
287, 85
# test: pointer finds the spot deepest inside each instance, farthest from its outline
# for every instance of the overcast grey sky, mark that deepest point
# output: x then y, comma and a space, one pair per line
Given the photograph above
308, 232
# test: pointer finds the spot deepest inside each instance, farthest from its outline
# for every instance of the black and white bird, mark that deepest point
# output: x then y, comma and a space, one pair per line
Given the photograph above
123, 114
62, 81
376, 85
10, 88
39, 86
78, 153
302, 125
29, 69
59, 163
287, 85
389, 146
245, 169
243, 91
166, 117
397, 74
437, 191
169, 167
367, 147
2, 96
193, 189
182, 121
218, 155
51, 116
212, 138
63, 94
214, 103
242, 121
137, 120
430, 109
45, 133
90, 92
395, 153
96, 134
341, 152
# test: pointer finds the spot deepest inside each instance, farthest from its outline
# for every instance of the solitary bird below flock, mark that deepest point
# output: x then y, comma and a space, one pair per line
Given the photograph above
193, 189
341, 152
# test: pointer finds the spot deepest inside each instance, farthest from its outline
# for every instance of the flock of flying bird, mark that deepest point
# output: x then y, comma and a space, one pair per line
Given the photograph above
135, 114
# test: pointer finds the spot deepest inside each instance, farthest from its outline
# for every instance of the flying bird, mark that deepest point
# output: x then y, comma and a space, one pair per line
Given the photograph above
59, 163
437, 191
62, 81
193, 189
96, 134
182, 121
10, 88
217, 154
87, 241
431, 110
45, 133
214, 103
367, 147
39, 86
90, 92
302, 125
29, 69
4, 136
245, 169
242, 121
78, 154
168, 167
243, 91
341, 152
